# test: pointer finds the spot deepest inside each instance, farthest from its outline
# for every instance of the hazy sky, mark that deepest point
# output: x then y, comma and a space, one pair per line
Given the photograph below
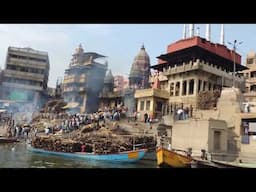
120, 42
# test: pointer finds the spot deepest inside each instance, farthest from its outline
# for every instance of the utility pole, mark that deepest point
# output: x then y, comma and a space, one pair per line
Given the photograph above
234, 53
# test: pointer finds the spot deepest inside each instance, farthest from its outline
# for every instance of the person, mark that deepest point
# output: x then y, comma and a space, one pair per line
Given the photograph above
36, 130
180, 113
135, 116
83, 148
145, 118
169, 146
247, 107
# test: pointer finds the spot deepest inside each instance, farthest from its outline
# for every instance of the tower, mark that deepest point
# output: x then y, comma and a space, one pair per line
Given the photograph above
108, 82
140, 70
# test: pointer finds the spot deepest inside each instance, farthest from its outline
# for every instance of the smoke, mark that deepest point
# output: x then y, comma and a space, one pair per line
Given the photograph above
22, 103
90, 90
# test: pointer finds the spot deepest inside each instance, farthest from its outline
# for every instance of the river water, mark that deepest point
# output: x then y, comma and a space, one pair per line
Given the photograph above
16, 155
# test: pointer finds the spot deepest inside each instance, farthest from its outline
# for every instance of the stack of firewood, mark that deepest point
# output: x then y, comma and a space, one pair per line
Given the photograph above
208, 99
98, 144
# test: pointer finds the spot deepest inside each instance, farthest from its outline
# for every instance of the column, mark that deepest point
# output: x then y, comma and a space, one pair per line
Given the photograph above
181, 87
187, 91
202, 85
206, 86
138, 106
195, 86
174, 89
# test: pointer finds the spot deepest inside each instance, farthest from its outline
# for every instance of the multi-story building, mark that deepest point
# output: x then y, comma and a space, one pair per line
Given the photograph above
250, 76
83, 80
25, 76
194, 64
120, 83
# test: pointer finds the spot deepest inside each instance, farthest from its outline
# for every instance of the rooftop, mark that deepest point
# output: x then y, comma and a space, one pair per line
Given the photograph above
196, 47
28, 49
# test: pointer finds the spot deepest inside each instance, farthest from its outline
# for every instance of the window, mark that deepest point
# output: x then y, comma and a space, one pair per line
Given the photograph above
184, 88
177, 89
245, 139
199, 86
216, 140
171, 89
210, 86
204, 86
253, 88
253, 74
249, 60
148, 105
142, 105
191, 87
158, 106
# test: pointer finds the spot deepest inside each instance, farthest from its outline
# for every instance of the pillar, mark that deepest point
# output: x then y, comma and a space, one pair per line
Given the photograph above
188, 85
174, 89
195, 86
181, 88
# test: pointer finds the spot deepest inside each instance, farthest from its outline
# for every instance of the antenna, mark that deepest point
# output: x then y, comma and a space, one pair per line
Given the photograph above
208, 32
234, 53
184, 35
222, 34
191, 30
198, 31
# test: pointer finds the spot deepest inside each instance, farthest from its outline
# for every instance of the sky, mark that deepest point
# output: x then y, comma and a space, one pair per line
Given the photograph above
119, 42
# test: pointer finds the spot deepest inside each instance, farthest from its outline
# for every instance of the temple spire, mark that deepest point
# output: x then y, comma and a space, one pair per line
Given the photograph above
142, 47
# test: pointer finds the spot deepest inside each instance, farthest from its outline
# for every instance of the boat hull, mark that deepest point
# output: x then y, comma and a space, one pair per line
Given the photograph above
169, 158
122, 157
8, 140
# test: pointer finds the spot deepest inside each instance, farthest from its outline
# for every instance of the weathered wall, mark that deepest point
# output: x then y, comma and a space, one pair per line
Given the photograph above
190, 134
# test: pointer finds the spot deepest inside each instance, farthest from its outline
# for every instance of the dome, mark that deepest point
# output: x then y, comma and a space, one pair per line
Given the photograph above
109, 78
251, 54
79, 50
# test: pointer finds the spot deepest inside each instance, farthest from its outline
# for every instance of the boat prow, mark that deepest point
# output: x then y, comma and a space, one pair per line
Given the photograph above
172, 158
122, 157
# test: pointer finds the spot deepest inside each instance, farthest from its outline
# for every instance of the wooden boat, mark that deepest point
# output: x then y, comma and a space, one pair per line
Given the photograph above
122, 157
8, 140
201, 163
172, 158
225, 164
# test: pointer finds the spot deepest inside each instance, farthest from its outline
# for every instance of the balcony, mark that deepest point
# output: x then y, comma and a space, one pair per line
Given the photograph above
23, 75
152, 93
27, 63
74, 79
201, 65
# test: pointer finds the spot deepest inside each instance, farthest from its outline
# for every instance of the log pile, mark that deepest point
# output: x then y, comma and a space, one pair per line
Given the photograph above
56, 144
99, 144
208, 99
54, 106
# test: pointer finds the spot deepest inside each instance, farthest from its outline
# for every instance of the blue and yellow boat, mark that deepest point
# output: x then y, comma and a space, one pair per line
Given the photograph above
121, 157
